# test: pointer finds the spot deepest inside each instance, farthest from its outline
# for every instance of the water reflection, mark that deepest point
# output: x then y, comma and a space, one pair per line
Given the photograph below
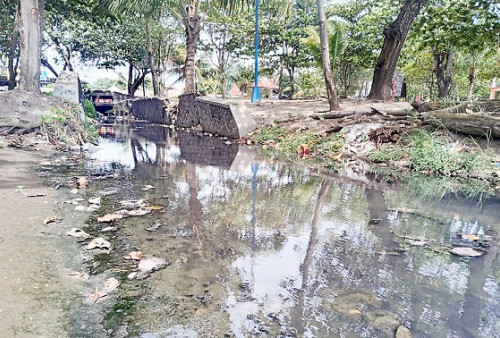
265, 249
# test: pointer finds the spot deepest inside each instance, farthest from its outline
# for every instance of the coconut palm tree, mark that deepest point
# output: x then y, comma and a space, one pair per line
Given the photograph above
187, 12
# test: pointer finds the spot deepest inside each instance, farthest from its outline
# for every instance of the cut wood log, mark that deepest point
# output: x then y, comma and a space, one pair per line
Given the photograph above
455, 118
423, 107
392, 112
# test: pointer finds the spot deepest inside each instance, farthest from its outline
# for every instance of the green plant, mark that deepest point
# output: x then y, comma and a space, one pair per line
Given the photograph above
386, 154
430, 152
56, 115
89, 109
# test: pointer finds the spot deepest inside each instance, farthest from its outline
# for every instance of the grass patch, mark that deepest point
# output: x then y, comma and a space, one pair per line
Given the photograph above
281, 143
433, 153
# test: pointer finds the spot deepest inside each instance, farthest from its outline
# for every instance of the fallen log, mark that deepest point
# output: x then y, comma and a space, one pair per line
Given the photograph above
392, 112
423, 107
338, 115
374, 111
486, 106
455, 118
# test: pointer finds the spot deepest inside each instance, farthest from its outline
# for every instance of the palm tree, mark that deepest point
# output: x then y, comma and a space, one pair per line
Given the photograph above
188, 12
333, 99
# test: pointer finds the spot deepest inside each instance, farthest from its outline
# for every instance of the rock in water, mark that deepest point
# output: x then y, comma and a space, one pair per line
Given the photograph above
403, 332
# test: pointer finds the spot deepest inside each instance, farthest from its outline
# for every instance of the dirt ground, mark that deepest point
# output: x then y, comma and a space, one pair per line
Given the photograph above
34, 284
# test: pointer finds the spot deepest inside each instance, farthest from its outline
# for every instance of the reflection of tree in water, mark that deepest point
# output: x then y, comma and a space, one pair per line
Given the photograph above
345, 256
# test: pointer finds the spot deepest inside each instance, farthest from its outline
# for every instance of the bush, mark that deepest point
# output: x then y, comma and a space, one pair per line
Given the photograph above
89, 109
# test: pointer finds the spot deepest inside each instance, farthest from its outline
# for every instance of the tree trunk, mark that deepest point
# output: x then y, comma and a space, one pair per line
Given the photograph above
333, 99
291, 73
151, 59
13, 59
223, 75
192, 24
472, 79
29, 26
395, 36
130, 79
443, 62
280, 85
134, 83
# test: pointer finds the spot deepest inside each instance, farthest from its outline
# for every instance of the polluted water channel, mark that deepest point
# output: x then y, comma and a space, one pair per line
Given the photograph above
197, 237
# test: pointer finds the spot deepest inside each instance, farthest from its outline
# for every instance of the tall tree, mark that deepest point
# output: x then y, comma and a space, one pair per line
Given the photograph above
452, 26
395, 36
189, 13
333, 99
30, 39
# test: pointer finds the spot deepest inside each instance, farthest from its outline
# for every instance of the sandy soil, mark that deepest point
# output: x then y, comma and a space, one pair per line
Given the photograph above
34, 281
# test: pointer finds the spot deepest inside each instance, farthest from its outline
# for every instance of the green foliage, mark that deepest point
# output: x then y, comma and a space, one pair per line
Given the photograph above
89, 109
278, 141
102, 84
56, 115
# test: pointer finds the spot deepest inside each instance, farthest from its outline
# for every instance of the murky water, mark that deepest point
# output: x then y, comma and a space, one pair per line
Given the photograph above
262, 248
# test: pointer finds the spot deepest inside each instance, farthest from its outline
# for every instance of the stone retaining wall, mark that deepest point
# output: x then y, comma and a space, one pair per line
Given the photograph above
224, 119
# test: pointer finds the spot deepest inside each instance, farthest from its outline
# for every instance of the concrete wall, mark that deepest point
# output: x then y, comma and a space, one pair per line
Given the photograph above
152, 110
224, 119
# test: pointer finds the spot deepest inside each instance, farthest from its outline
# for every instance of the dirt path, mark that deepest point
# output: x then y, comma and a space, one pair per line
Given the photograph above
35, 286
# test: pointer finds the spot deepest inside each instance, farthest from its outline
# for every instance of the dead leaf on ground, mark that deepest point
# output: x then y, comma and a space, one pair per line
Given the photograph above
99, 243
78, 233
466, 252
134, 255
155, 207
110, 217
81, 182
51, 219
110, 285
148, 187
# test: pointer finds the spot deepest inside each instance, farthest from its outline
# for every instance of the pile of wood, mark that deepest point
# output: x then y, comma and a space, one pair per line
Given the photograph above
481, 118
